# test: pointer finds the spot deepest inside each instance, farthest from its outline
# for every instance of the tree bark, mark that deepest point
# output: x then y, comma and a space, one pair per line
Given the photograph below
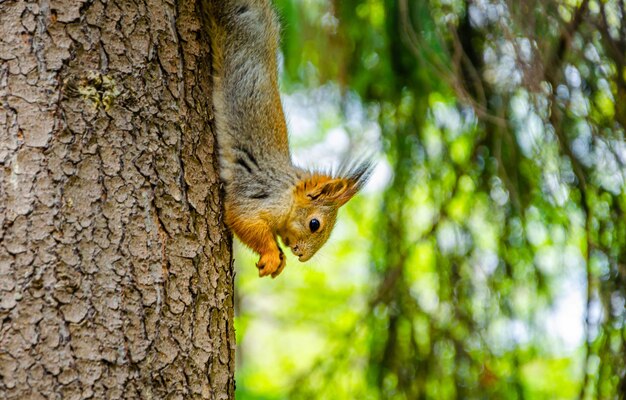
116, 276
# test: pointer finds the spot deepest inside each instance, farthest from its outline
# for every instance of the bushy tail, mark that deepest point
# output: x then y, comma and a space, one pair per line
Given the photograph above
215, 18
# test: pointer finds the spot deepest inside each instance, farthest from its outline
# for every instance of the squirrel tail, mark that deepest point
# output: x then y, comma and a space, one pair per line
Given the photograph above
214, 10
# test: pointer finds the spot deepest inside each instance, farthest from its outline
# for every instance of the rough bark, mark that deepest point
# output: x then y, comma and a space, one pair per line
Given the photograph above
116, 278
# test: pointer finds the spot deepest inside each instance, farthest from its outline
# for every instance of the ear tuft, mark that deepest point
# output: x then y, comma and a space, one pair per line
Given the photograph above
356, 173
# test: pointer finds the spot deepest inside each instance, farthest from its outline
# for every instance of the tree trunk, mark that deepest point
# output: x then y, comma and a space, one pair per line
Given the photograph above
116, 278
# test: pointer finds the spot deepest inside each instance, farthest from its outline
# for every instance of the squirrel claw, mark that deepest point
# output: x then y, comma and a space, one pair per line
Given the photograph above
271, 264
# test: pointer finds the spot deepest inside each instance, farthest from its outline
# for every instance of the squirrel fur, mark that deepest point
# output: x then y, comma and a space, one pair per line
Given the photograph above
266, 195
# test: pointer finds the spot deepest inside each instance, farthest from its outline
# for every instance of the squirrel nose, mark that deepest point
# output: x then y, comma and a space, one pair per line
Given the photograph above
296, 251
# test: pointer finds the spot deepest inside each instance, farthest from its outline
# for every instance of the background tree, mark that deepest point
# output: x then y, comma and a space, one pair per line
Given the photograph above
502, 125
115, 267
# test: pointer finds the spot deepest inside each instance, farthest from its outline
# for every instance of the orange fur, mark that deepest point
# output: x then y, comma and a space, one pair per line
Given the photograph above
258, 236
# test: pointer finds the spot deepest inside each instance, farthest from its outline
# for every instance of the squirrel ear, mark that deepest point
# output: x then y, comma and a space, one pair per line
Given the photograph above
327, 190
336, 191
322, 189
351, 188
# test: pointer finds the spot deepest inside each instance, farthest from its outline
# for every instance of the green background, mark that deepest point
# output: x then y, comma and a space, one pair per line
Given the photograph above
486, 258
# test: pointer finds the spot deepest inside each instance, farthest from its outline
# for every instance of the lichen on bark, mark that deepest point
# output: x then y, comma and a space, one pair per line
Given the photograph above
116, 278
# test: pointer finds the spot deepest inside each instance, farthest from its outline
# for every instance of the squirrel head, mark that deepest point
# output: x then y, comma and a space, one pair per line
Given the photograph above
317, 198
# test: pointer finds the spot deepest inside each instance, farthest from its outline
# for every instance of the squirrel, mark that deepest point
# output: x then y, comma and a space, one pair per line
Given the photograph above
266, 195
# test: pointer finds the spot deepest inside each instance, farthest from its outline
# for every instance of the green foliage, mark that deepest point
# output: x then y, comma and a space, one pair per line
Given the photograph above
492, 262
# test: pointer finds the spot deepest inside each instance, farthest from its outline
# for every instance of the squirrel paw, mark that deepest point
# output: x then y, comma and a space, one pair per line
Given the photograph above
283, 262
271, 263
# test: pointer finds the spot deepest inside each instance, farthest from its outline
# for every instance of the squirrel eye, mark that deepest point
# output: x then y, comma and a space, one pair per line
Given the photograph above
314, 225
